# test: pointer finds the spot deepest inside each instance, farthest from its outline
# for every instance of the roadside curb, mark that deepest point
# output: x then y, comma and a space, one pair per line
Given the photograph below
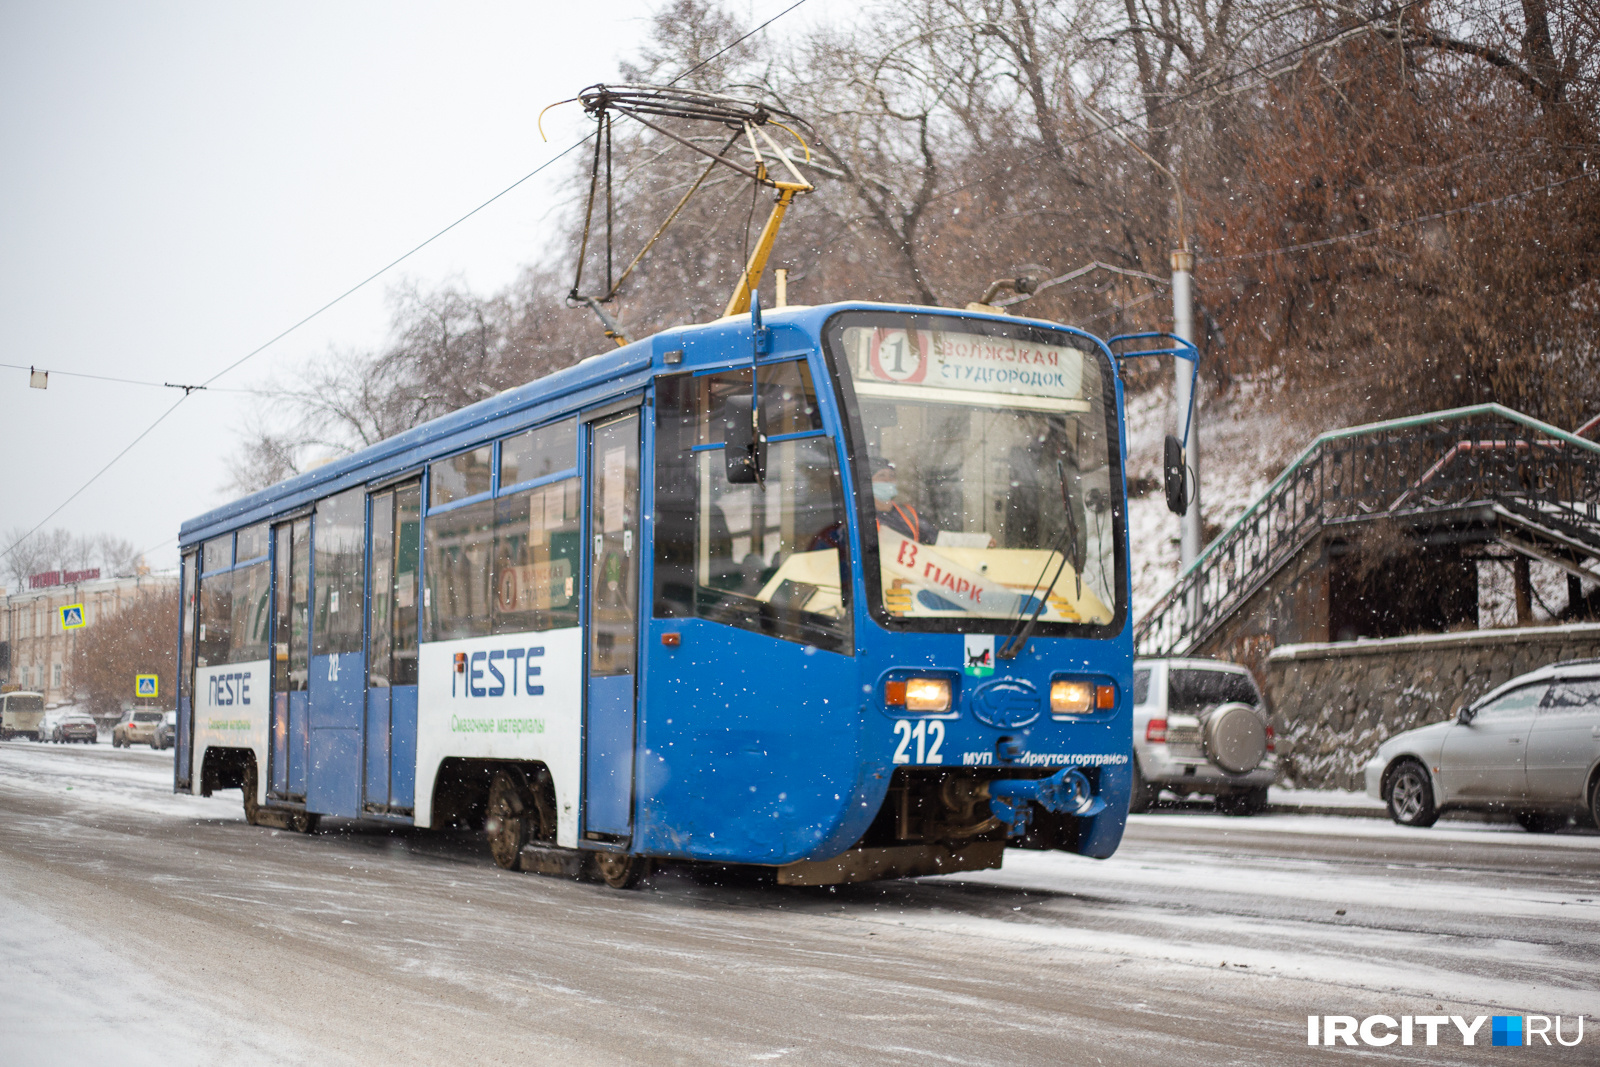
1326, 809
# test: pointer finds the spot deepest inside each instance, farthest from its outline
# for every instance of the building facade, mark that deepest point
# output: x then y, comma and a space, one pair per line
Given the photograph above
36, 649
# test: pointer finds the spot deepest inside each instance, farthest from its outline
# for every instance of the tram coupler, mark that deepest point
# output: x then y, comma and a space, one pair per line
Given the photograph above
1067, 791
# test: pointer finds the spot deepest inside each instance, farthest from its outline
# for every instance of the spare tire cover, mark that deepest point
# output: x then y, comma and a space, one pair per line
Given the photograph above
1235, 738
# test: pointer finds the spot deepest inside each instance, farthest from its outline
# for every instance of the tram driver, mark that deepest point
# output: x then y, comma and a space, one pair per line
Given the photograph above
896, 513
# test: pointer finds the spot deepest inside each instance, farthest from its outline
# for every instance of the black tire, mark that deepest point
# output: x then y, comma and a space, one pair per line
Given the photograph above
1594, 803
1541, 822
1141, 794
1248, 802
305, 822
507, 815
1409, 795
252, 806
620, 870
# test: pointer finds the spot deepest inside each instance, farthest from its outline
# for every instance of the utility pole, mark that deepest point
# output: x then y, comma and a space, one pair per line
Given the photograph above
1190, 541
1188, 416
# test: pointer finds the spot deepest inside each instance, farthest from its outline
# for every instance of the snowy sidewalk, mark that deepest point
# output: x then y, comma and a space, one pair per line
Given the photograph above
1285, 801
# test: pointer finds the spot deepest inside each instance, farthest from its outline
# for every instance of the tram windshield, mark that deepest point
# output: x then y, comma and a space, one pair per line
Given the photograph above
991, 449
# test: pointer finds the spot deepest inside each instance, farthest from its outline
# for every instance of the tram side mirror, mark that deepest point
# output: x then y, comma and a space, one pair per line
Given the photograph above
1177, 476
745, 445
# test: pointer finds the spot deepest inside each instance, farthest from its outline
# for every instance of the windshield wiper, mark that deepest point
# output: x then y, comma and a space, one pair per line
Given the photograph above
1020, 632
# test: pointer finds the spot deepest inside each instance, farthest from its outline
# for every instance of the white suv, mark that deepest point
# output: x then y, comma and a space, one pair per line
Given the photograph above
1200, 726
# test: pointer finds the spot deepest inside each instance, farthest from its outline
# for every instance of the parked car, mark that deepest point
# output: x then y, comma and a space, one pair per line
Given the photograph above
136, 727
75, 726
1530, 747
166, 731
1200, 727
21, 715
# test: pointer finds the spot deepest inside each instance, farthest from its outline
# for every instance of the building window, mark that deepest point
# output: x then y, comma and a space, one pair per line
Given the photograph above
55, 677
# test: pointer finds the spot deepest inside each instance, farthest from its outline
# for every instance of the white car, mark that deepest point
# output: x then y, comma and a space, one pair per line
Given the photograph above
1530, 747
1200, 726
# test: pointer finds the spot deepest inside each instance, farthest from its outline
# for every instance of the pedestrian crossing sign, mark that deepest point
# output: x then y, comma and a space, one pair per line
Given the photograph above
146, 685
72, 617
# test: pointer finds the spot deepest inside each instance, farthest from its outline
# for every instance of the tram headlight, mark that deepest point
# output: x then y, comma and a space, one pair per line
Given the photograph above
927, 694
1071, 697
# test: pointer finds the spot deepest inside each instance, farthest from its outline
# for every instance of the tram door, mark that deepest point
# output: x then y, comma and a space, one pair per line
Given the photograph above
391, 727
613, 614
337, 682
291, 588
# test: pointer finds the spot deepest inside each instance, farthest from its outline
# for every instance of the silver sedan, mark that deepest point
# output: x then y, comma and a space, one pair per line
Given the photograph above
1530, 747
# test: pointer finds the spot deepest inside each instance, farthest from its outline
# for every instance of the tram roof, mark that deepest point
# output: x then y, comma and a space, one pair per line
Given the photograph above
590, 383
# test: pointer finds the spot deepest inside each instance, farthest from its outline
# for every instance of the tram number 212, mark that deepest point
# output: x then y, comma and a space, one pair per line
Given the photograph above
927, 733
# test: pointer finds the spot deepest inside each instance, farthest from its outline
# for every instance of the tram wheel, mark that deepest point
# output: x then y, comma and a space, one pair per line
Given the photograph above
620, 870
252, 806
305, 822
507, 815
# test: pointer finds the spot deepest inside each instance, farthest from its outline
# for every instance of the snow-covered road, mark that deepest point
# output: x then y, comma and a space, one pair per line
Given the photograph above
140, 927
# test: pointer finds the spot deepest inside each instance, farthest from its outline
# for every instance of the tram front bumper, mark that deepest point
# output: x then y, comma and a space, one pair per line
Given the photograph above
1067, 792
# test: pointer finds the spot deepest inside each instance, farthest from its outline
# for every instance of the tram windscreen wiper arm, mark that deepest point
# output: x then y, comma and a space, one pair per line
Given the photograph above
1020, 632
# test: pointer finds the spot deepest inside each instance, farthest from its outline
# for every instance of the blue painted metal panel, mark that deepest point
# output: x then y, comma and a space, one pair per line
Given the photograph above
377, 748
335, 773
403, 745
338, 683
299, 740
786, 753
608, 755
337, 706
753, 739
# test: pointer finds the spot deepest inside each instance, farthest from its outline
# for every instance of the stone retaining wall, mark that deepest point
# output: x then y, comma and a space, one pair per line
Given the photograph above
1334, 704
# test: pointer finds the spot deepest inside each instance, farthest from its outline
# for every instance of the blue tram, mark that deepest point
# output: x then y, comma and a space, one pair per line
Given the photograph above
842, 592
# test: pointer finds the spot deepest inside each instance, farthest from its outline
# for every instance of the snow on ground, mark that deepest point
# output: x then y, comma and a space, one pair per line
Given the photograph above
70, 1000
138, 780
1391, 926
1478, 916
1286, 797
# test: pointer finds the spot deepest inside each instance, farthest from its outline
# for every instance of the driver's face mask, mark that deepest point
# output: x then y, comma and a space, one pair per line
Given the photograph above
884, 491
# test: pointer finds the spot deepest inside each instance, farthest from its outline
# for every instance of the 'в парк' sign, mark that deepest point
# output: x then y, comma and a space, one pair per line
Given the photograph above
45, 579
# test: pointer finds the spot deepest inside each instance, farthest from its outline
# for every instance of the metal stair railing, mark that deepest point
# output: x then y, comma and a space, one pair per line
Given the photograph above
1436, 462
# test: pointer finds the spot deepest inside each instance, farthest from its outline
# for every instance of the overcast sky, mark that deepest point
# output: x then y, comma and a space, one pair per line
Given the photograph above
182, 181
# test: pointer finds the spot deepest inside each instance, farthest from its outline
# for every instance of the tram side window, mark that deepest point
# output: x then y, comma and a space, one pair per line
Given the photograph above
252, 543
539, 453
392, 634
217, 554
460, 547
761, 557
191, 582
339, 572
292, 591
216, 619
407, 565
459, 477
537, 559
251, 611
